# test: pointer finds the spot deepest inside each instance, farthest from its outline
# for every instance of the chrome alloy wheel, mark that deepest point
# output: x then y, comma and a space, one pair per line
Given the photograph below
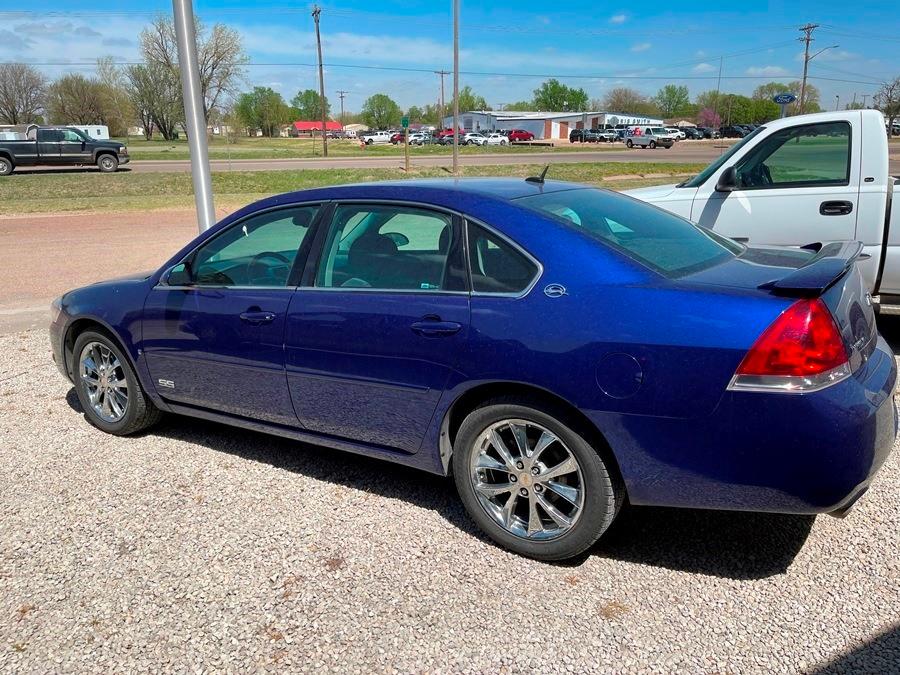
527, 480
104, 381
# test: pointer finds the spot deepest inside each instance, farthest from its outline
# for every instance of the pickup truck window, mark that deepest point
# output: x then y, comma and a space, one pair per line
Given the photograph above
807, 155
702, 177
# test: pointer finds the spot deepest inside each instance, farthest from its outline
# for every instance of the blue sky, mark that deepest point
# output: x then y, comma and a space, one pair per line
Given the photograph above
506, 50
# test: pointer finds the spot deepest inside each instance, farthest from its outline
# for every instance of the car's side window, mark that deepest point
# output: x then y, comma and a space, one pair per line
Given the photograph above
802, 156
71, 137
496, 265
390, 247
258, 251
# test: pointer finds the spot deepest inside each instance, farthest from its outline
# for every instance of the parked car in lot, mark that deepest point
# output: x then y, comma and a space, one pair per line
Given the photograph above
497, 139
675, 133
732, 131
650, 137
474, 138
61, 146
709, 132
372, 137
520, 135
409, 321
799, 180
692, 133
398, 137
421, 138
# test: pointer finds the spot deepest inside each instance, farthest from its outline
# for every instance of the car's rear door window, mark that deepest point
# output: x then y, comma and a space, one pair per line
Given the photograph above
660, 240
496, 265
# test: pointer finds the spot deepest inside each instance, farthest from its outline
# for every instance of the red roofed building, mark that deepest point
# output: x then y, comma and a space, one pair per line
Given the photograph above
308, 127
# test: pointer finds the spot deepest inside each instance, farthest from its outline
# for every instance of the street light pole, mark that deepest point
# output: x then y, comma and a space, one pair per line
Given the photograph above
455, 87
315, 13
194, 114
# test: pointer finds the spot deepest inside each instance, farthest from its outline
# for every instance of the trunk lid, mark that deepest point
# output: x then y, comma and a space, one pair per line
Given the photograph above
827, 271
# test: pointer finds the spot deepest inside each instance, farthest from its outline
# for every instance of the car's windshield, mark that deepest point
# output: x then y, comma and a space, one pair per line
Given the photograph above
664, 242
701, 177
659, 130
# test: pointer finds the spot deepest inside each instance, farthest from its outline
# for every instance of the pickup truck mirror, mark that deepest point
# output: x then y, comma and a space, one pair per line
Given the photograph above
177, 275
728, 181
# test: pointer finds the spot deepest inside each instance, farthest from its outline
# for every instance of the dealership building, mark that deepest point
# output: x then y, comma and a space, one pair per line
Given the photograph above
545, 125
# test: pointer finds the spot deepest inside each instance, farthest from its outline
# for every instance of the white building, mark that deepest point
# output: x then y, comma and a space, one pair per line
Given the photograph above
98, 131
545, 125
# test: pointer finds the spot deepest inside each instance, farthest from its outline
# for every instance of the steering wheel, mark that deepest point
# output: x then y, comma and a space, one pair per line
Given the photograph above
759, 176
255, 261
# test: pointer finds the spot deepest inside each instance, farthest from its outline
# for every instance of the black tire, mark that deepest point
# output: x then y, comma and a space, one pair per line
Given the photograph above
108, 163
602, 496
629, 143
369, 141
6, 166
140, 413
653, 145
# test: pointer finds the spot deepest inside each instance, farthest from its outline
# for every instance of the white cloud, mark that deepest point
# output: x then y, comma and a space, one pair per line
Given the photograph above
641, 47
700, 54
767, 71
618, 19
702, 68
834, 55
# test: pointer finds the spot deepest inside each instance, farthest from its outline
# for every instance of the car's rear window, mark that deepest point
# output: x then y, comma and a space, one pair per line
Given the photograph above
664, 242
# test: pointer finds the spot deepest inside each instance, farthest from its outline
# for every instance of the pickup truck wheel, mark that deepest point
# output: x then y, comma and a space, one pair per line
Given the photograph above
6, 166
629, 144
369, 141
107, 163
653, 145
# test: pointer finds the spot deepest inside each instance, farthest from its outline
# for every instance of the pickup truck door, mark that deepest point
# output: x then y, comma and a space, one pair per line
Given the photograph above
48, 145
797, 185
73, 149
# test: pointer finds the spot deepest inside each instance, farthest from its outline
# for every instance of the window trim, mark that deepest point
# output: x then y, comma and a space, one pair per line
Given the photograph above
316, 254
805, 184
296, 268
499, 235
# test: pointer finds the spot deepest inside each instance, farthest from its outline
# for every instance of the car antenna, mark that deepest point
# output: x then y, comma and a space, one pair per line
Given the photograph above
538, 179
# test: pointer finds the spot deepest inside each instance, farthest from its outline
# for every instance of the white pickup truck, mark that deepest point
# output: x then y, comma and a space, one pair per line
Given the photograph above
798, 181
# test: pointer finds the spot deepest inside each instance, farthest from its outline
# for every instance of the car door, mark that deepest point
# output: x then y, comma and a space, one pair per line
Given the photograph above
48, 144
213, 328
73, 148
379, 324
793, 188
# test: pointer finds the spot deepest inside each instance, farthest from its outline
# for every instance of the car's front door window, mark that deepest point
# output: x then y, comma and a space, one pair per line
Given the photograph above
390, 247
259, 251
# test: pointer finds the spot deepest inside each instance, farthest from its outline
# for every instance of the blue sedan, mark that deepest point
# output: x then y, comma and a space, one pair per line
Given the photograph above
560, 350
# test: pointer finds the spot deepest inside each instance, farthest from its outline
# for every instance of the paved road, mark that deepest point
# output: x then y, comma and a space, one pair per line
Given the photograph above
700, 153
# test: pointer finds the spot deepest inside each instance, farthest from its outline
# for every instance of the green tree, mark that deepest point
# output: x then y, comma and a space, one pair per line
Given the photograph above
415, 114
468, 100
155, 97
520, 105
553, 95
672, 100
887, 100
628, 100
76, 99
263, 109
308, 105
381, 112
736, 109
431, 115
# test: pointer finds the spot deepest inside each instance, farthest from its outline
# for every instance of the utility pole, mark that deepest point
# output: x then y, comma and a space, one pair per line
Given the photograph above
441, 114
719, 84
807, 38
455, 87
865, 96
194, 115
837, 101
341, 94
315, 14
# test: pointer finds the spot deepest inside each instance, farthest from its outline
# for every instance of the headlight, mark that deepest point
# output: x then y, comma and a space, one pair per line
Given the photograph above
123, 150
55, 309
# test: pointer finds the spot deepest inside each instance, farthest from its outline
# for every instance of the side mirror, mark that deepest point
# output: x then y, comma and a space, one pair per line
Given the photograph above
178, 275
728, 181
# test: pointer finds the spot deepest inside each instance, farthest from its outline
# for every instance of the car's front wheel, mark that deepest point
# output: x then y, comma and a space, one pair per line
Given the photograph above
531, 482
107, 163
107, 387
6, 166
629, 143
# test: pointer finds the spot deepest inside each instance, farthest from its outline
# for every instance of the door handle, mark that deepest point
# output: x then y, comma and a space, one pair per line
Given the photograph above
434, 327
258, 317
835, 208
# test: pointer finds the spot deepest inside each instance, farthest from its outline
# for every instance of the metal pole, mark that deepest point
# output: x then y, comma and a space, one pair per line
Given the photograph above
455, 87
194, 115
341, 94
316, 12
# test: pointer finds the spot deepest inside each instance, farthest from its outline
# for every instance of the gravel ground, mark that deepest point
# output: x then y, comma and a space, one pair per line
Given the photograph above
199, 547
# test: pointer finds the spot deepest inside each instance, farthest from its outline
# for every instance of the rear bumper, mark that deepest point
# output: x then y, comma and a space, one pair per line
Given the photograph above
808, 453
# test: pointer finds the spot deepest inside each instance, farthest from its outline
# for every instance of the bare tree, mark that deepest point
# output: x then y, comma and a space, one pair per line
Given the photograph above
888, 101
23, 90
219, 51
119, 111
627, 100
156, 98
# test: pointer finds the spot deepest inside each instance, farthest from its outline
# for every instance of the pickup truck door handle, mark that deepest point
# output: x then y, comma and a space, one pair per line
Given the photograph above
836, 208
257, 317
433, 326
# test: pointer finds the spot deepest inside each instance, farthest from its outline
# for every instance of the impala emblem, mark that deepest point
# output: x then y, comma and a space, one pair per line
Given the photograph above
555, 290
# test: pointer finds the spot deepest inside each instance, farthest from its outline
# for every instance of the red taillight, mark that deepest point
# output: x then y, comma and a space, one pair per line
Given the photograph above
803, 342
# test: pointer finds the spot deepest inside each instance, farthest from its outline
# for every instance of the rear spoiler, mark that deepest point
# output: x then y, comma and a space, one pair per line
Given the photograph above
823, 270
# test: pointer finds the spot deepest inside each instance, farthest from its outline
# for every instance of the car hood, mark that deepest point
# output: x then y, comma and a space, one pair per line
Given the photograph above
652, 194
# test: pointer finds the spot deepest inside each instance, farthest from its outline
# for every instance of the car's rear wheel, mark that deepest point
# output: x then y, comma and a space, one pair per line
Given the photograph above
531, 482
107, 387
107, 163
6, 166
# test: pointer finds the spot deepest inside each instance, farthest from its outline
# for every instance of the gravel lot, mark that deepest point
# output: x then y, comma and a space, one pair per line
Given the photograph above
199, 547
